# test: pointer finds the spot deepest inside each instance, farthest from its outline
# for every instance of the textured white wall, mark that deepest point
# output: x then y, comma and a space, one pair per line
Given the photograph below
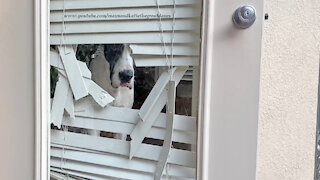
17, 90
288, 105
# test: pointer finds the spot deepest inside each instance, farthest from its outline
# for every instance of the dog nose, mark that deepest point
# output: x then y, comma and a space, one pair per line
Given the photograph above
126, 75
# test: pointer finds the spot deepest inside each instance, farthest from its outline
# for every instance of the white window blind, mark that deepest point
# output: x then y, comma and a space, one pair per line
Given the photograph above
153, 41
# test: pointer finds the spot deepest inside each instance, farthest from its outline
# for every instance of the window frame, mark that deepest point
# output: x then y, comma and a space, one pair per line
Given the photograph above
206, 117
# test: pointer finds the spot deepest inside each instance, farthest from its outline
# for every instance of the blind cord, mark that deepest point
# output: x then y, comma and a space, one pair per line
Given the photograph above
169, 61
63, 28
172, 37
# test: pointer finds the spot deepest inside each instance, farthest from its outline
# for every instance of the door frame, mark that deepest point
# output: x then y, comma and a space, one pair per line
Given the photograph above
229, 93
42, 83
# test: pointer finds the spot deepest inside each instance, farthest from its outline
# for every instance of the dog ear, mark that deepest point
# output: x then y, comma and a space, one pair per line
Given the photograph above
112, 53
127, 46
134, 64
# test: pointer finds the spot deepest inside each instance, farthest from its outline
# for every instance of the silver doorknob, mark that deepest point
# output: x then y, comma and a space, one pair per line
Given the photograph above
244, 16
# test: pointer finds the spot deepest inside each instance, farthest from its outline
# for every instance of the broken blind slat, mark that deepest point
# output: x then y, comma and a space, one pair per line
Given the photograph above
73, 72
86, 107
55, 61
59, 102
170, 111
149, 114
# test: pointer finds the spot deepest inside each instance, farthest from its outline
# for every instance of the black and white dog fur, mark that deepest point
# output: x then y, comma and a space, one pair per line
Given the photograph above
113, 69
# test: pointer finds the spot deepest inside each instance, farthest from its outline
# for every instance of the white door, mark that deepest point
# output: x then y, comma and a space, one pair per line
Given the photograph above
230, 92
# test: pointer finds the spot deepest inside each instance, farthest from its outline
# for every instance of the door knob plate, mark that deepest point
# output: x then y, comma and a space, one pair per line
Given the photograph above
244, 16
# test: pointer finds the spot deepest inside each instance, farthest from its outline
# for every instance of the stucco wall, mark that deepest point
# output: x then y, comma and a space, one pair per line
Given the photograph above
290, 64
17, 90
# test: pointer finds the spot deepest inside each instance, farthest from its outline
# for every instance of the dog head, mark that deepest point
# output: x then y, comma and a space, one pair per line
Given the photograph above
121, 65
